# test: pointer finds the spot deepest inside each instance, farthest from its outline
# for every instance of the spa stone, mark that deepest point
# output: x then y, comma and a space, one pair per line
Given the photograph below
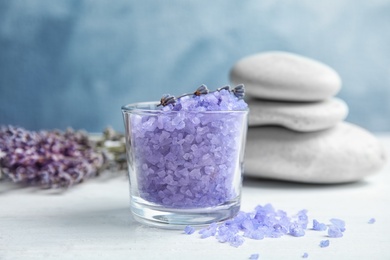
285, 76
302, 117
344, 153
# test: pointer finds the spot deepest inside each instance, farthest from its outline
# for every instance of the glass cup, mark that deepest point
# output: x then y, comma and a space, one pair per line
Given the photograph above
185, 167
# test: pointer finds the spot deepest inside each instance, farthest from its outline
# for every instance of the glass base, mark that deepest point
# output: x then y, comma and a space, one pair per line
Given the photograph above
172, 218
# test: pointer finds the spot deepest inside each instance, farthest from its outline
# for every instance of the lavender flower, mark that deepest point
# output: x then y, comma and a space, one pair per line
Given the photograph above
166, 100
51, 159
202, 90
239, 91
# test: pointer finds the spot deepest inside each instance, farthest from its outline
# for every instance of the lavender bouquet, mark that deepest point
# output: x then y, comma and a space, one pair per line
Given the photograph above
55, 159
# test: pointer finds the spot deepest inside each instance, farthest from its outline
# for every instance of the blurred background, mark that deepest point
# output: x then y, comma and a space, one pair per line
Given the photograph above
75, 62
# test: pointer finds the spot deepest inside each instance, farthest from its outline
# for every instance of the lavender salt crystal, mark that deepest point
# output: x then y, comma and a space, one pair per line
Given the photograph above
303, 220
296, 230
324, 243
305, 255
318, 226
185, 156
189, 230
334, 231
208, 231
236, 241
338, 223
263, 222
337, 228
298, 226
371, 221
254, 256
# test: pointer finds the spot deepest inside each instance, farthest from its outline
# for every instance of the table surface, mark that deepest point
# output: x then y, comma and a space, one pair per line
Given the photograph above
92, 221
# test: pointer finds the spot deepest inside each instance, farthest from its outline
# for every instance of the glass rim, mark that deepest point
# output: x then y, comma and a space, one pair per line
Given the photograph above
137, 108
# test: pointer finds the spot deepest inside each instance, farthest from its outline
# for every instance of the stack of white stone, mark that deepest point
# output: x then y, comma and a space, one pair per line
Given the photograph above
296, 129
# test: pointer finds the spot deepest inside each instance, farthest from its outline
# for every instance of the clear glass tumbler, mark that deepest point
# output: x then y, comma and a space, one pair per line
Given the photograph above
185, 167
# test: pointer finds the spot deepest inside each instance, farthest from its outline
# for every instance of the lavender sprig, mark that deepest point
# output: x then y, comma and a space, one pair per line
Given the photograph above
238, 91
227, 87
54, 159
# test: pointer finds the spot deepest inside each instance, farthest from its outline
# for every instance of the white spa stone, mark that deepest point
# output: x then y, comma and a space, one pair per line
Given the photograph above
285, 76
298, 116
344, 153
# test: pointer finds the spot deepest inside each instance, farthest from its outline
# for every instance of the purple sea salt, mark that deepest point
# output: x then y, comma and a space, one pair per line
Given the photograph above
263, 222
371, 221
296, 230
189, 230
305, 255
186, 154
236, 241
337, 228
318, 226
208, 231
334, 231
338, 223
324, 243
302, 218
226, 233
254, 257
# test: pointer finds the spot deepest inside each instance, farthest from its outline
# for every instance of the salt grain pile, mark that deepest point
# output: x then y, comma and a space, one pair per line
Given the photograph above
266, 221
188, 154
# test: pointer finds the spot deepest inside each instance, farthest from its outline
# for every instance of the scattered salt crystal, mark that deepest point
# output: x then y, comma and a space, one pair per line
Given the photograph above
302, 218
209, 231
324, 243
371, 221
338, 223
236, 241
296, 230
265, 221
337, 227
189, 230
254, 234
254, 256
318, 226
334, 231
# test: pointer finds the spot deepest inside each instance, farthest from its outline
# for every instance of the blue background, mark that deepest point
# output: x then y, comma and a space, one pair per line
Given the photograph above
74, 63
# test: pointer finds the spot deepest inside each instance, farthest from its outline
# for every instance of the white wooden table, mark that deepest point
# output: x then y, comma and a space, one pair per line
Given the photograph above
92, 221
